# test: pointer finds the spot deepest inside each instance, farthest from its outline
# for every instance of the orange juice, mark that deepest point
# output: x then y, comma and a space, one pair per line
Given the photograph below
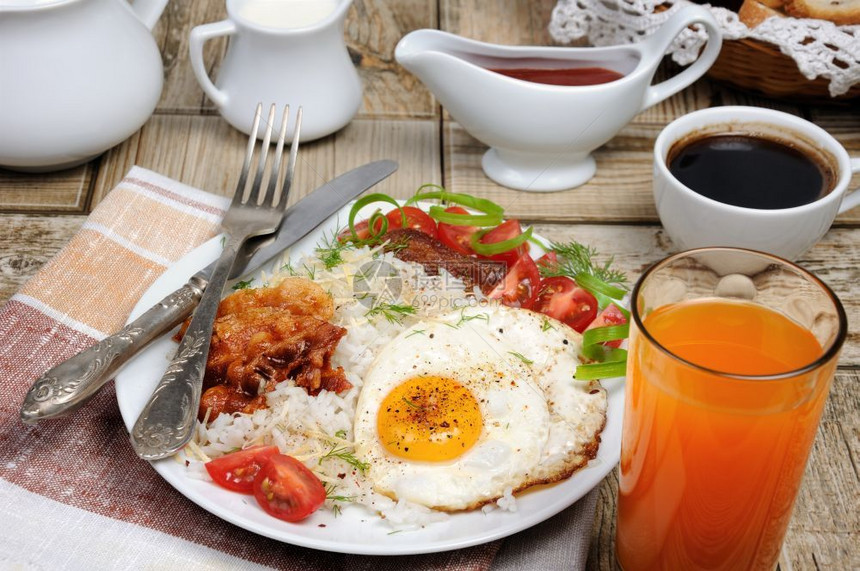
711, 463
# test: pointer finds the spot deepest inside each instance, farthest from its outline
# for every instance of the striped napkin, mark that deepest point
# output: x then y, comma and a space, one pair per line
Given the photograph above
73, 495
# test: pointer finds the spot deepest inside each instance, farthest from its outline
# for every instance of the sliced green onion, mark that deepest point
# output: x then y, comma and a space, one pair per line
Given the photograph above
607, 333
438, 213
369, 199
497, 247
593, 371
467, 200
596, 285
603, 354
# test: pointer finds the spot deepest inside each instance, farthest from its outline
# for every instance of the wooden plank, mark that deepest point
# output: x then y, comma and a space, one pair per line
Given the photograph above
619, 192
28, 241
498, 21
823, 529
63, 191
372, 30
206, 152
181, 93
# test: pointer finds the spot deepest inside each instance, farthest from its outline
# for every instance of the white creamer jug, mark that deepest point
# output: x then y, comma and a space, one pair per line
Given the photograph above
76, 78
288, 52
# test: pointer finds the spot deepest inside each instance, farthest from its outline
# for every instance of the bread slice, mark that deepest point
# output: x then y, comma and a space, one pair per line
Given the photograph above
841, 12
754, 12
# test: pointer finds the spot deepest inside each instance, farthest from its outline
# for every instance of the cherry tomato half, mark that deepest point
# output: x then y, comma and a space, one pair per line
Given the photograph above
457, 237
286, 489
519, 287
236, 471
562, 299
610, 315
548, 261
505, 231
415, 218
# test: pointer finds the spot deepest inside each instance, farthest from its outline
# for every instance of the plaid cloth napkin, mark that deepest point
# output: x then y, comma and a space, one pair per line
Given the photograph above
73, 495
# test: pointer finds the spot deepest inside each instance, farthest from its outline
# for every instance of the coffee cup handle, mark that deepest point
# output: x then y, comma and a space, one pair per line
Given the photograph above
656, 46
852, 197
199, 36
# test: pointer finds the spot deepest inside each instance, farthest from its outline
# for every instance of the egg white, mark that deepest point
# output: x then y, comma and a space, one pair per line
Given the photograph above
539, 425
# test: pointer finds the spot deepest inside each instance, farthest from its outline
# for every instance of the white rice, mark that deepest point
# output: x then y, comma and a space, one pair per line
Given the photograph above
314, 429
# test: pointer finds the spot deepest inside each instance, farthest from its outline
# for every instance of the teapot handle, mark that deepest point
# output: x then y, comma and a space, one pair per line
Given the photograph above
656, 46
198, 37
148, 11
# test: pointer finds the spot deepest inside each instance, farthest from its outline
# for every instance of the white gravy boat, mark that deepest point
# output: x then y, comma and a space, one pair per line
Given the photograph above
76, 78
541, 136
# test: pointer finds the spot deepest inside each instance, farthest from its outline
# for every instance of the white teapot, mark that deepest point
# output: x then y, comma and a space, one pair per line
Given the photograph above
76, 78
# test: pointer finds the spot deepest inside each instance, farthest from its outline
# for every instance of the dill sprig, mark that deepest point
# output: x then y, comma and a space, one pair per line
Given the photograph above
243, 284
392, 312
521, 357
575, 258
330, 250
344, 454
466, 318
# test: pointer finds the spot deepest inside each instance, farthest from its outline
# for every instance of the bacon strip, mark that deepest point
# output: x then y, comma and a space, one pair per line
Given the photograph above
411, 245
264, 336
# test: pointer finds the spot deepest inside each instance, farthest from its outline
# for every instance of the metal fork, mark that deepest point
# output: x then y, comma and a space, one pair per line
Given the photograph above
167, 422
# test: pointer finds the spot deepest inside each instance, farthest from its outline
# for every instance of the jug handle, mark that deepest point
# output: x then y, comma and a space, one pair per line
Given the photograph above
656, 46
199, 36
851, 198
148, 11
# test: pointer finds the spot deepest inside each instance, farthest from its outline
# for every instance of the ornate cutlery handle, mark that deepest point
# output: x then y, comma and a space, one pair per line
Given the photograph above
66, 387
167, 422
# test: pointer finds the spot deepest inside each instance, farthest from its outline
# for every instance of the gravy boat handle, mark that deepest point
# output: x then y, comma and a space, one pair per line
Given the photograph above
655, 47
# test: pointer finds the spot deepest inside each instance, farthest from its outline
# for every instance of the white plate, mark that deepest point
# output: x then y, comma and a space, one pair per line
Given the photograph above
355, 530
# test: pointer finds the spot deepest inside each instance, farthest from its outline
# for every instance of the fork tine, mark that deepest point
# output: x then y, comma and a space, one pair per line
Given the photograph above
249, 154
291, 165
272, 193
254, 196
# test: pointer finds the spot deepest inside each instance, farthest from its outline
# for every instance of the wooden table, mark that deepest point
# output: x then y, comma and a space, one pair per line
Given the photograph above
187, 140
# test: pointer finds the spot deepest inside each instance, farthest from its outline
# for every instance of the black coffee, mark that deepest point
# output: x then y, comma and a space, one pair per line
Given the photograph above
749, 171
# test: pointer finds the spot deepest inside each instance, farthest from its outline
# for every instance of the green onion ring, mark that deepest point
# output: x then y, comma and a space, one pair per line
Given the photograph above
438, 213
497, 247
596, 285
607, 333
603, 354
364, 201
593, 371
482, 204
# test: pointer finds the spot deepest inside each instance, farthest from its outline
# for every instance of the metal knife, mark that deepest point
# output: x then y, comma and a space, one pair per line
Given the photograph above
67, 386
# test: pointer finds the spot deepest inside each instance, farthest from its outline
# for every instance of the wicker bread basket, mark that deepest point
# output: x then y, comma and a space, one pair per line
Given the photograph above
753, 65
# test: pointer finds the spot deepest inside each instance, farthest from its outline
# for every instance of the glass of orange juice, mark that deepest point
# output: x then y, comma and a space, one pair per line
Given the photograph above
731, 356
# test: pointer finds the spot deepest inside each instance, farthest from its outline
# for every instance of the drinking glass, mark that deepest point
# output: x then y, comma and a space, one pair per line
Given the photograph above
731, 356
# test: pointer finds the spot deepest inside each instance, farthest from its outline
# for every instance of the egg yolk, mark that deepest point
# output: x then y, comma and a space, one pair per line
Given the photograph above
430, 419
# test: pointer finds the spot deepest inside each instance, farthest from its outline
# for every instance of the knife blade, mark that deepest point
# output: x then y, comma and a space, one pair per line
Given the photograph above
69, 385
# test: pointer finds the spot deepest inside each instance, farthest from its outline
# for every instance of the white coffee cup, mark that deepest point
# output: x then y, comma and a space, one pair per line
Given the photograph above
693, 220
284, 52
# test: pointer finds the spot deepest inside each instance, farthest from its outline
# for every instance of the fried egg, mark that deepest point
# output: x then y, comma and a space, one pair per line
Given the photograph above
458, 411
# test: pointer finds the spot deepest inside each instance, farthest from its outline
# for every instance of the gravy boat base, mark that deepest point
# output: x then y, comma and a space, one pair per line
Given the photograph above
538, 172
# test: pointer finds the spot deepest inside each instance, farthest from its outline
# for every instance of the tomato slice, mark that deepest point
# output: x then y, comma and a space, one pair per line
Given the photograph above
236, 471
457, 237
562, 299
548, 261
286, 489
415, 218
610, 315
505, 231
520, 284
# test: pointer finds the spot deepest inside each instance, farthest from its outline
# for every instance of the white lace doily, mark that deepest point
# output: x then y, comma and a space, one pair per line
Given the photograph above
820, 48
